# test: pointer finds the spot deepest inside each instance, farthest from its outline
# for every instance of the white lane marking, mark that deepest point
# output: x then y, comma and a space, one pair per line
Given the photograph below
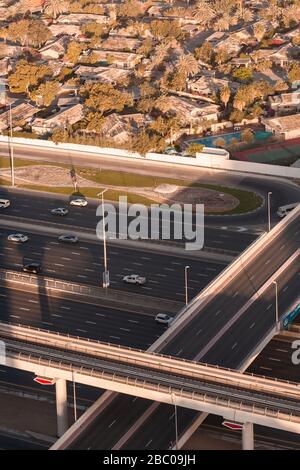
8, 248
58, 264
82, 331
91, 322
83, 248
148, 443
50, 271
175, 262
54, 243
100, 315
133, 321
201, 274
282, 246
3, 295
217, 313
67, 259
179, 293
179, 352
265, 368
47, 323
82, 275
235, 294
268, 261
269, 306
285, 288
37, 254
25, 309
47, 248
76, 253
33, 301
274, 359
89, 270
138, 264
147, 288
96, 264
115, 337
169, 269
125, 329
15, 316
282, 350
234, 346
199, 331
56, 315
252, 325
161, 275
112, 423
153, 281
65, 308
146, 258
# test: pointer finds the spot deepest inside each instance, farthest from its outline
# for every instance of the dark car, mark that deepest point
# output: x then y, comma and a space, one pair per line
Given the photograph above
33, 268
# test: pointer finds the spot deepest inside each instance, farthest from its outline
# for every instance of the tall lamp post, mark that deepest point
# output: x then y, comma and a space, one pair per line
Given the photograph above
276, 301
269, 210
176, 421
11, 149
186, 284
106, 272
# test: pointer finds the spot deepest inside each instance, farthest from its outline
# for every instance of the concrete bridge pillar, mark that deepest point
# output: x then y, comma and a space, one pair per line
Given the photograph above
61, 406
248, 437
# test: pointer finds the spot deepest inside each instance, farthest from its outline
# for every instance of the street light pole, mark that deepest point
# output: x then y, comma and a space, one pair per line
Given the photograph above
269, 210
74, 397
276, 301
106, 272
186, 284
11, 150
176, 421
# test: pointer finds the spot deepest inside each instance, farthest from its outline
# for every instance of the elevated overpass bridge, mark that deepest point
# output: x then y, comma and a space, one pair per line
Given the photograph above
226, 325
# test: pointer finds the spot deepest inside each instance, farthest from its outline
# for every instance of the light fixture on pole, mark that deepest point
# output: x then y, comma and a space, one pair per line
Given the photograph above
106, 272
11, 149
176, 421
276, 301
269, 210
186, 284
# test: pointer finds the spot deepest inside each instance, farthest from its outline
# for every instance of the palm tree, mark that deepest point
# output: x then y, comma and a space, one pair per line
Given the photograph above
225, 94
187, 65
204, 12
54, 8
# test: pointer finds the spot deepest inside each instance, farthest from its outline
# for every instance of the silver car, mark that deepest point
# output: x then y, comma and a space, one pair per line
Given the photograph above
80, 202
164, 319
59, 211
17, 237
68, 239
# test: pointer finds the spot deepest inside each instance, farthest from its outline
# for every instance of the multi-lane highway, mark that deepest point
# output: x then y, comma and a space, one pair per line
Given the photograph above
231, 351
29, 205
83, 263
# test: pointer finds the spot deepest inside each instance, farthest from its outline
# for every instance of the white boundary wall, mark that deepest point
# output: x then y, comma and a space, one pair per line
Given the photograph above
218, 159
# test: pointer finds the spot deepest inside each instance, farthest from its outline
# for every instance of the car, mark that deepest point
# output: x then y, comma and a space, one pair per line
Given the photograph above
4, 203
80, 202
164, 319
59, 211
68, 238
18, 237
33, 268
237, 128
134, 279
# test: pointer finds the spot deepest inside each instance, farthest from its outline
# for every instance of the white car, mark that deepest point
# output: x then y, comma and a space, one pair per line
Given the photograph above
164, 319
4, 203
59, 211
68, 239
18, 237
80, 202
134, 279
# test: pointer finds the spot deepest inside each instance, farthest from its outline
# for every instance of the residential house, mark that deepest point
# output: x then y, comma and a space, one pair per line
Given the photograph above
55, 49
4, 67
62, 119
191, 112
206, 85
111, 75
82, 18
286, 127
241, 62
126, 60
65, 29
7, 50
20, 114
120, 128
285, 103
121, 43
282, 56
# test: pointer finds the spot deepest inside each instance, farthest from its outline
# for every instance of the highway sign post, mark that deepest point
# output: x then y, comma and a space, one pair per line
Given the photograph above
233, 426
44, 381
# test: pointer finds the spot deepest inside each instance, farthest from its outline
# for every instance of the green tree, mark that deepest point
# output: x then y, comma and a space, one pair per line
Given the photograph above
247, 136
243, 74
27, 75
205, 53
102, 97
46, 93
165, 29
54, 8
194, 148
236, 116
130, 9
73, 52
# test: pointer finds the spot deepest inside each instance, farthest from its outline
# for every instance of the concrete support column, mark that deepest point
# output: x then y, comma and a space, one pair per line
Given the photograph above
61, 406
248, 438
